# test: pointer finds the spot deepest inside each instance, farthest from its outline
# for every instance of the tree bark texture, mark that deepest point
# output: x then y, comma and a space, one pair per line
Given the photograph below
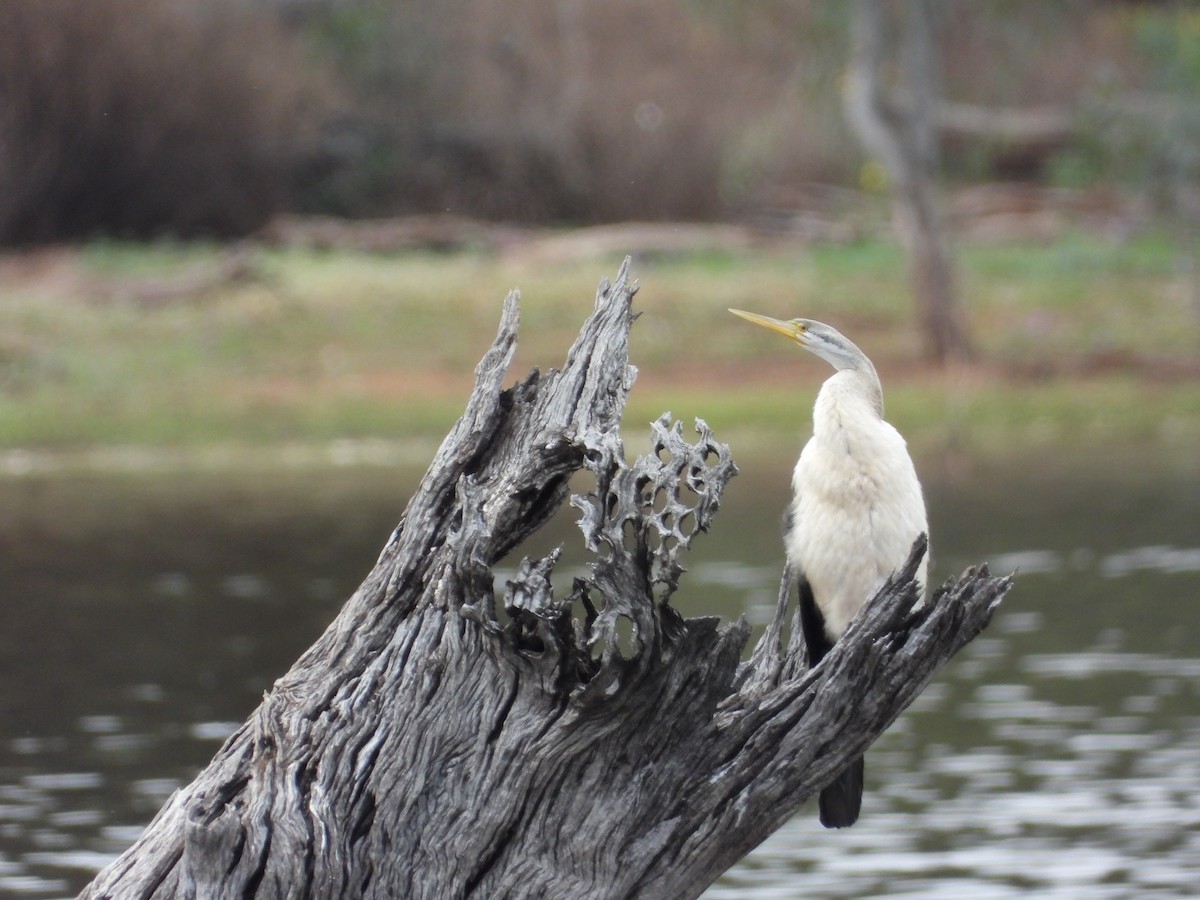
449, 738
899, 128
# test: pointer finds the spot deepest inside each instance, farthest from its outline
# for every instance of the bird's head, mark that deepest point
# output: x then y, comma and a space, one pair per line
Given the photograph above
823, 340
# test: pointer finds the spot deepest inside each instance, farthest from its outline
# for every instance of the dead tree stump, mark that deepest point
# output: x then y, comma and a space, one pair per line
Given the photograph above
592, 745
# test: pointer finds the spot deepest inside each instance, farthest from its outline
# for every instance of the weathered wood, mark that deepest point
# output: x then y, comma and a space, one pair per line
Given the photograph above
596, 745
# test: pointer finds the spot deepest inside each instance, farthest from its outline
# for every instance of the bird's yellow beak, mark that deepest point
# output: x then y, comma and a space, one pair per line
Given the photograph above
793, 329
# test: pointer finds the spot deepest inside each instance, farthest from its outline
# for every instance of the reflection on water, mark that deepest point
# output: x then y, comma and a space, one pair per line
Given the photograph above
141, 619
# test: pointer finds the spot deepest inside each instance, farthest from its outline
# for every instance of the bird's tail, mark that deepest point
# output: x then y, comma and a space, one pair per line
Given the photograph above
841, 800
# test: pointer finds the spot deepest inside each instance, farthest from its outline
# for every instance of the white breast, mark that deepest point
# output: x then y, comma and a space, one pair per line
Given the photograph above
857, 505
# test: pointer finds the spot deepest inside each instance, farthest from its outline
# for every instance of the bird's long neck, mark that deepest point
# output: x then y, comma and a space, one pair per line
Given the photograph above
855, 374
865, 370
849, 402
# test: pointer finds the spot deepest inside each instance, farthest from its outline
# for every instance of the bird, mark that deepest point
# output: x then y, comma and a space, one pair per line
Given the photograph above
856, 510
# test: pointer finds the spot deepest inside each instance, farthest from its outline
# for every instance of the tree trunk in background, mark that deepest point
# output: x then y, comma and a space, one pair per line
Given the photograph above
899, 129
430, 746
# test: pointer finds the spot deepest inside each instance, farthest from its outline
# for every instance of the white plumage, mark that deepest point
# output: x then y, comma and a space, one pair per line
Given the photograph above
856, 511
857, 506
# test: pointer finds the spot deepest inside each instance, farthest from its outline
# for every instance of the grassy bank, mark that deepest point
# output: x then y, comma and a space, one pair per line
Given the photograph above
1082, 342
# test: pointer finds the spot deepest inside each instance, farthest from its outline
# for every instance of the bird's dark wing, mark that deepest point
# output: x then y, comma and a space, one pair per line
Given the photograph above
812, 623
841, 800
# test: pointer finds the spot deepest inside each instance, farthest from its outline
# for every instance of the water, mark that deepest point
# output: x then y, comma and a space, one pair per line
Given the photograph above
142, 617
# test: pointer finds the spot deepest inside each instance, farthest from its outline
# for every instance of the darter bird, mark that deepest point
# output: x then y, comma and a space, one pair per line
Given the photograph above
856, 510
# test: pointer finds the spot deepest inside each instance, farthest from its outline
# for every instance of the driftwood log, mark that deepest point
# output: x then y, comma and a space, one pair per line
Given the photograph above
446, 738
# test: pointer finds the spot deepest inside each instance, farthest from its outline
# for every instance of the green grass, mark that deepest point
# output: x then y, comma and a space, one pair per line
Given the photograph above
1075, 338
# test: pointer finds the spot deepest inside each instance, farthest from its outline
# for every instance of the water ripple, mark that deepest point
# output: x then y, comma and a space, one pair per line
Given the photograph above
1163, 558
1085, 664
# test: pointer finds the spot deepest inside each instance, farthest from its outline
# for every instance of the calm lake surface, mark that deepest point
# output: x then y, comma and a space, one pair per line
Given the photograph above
142, 617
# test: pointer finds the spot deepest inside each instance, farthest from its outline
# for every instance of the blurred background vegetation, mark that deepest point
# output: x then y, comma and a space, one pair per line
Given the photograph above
135, 118
278, 219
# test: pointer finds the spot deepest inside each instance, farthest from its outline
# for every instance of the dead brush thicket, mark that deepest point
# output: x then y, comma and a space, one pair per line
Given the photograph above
133, 117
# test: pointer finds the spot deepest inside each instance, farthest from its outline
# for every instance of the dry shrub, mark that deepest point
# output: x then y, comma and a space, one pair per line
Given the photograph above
601, 110
202, 116
576, 110
636, 110
134, 117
